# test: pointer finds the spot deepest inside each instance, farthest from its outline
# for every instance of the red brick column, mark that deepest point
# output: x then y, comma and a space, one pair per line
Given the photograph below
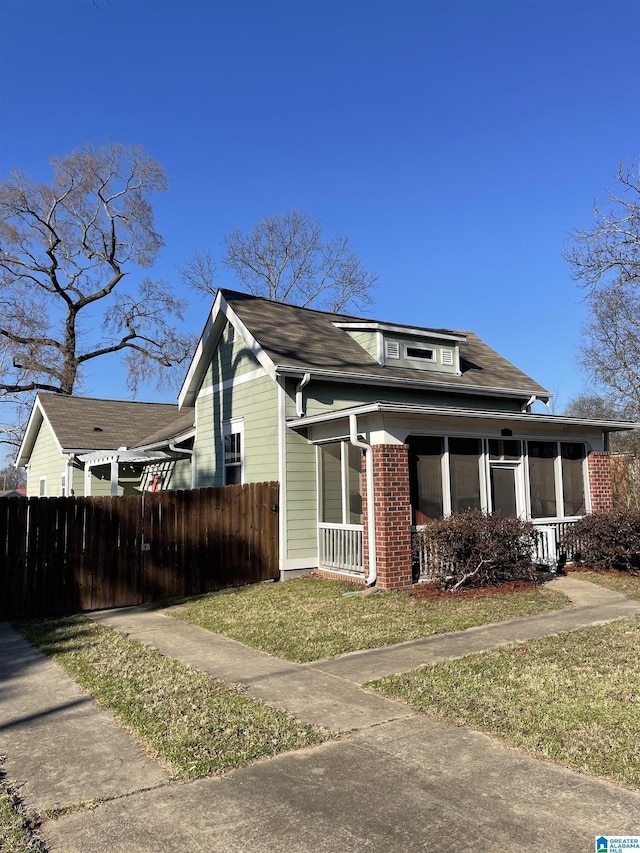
392, 516
600, 481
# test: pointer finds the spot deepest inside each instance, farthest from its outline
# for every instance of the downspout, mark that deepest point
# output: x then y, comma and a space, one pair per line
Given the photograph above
300, 407
192, 455
371, 523
69, 474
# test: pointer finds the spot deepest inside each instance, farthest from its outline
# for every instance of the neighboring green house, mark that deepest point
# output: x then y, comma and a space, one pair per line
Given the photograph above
83, 446
348, 413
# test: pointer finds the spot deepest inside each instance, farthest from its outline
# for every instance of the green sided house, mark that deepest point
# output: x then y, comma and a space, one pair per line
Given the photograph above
83, 446
371, 428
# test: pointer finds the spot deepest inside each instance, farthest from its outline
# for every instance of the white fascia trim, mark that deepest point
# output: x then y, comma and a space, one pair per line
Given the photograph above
31, 433
366, 379
401, 330
480, 414
232, 383
206, 346
187, 392
282, 474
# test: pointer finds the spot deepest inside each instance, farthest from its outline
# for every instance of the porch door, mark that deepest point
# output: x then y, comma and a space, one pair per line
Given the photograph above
506, 490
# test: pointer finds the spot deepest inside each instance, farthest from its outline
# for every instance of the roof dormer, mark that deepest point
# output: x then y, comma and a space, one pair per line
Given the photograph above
435, 350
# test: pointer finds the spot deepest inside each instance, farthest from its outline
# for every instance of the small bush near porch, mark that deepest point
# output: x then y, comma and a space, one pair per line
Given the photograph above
472, 549
608, 540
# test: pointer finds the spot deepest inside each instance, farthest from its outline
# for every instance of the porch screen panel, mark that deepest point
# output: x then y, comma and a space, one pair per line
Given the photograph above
464, 470
573, 478
354, 473
542, 455
331, 472
425, 478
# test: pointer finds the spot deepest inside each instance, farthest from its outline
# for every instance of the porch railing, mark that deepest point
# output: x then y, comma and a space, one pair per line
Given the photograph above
551, 548
341, 547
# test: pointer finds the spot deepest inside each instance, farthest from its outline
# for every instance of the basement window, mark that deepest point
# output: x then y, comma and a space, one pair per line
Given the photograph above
420, 353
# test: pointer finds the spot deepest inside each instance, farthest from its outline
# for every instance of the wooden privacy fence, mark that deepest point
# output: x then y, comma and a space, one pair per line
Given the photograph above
63, 555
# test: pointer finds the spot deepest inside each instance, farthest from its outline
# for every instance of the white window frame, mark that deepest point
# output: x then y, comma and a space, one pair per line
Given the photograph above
424, 348
63, 484
42, 488
234, 426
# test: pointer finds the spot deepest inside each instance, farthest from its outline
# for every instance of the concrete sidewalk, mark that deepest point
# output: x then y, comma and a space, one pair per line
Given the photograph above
394, 781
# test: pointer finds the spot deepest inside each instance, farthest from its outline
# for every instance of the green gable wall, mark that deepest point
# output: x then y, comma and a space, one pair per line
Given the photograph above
367, 340
46, 461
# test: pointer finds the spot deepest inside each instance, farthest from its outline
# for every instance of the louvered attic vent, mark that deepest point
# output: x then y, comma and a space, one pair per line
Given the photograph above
447, 357
392, 349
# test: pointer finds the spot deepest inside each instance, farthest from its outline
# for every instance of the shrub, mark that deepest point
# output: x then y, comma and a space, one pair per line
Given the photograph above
608, 540
473, 549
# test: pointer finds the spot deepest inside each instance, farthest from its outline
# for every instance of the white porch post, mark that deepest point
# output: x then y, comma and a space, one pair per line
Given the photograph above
114, 477
87, 479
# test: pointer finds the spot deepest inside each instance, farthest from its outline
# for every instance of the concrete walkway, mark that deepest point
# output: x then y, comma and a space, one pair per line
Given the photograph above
395, 781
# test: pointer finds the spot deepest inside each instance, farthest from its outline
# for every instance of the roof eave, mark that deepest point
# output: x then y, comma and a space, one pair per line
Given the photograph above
368, 379
479, 414
165, 442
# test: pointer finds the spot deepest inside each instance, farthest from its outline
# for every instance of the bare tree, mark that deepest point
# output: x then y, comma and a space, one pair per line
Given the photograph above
606, 260
625, 446
285, 257
12, 478
66, 249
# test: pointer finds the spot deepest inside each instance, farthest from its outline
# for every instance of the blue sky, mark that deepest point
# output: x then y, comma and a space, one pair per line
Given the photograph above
457, 142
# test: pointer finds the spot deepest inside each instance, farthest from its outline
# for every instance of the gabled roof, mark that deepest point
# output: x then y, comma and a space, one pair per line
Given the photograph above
83, 424
288, 339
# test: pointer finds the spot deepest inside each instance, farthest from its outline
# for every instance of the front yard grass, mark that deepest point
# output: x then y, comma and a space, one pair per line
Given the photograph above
312, 618
14, 835
198, 725
574, 698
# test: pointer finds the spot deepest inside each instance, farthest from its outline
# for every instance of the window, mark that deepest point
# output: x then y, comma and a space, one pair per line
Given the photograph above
572, 456
448, 475
425, 478
340, 483
464, 469
420, 353
63, 485
232, 432
43, 487
542, 484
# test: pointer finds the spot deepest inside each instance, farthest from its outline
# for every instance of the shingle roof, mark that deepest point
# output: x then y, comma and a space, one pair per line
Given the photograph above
308, 339
85, 423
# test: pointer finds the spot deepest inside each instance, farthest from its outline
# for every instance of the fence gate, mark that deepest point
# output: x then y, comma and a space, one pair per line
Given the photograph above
62, 555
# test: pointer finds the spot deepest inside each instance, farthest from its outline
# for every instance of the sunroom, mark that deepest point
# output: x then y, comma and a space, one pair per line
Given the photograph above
414, 464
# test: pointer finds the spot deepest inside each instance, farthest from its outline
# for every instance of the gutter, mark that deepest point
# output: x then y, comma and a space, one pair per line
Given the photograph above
300, 407
192, 455
371, 522
374, 379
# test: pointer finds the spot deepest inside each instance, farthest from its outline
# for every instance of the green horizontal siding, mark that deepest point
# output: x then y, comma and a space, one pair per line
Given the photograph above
302, 511
256, 403
46, 461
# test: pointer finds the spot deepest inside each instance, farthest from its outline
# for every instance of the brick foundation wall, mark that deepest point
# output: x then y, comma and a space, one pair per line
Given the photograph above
392, 509
600, 481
